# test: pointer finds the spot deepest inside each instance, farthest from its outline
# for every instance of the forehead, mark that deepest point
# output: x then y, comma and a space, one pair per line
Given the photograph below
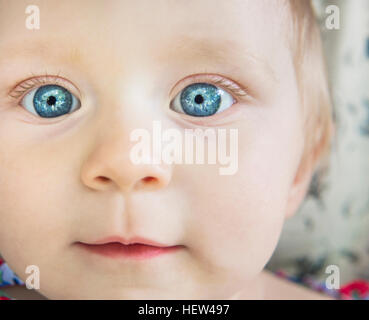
218, 31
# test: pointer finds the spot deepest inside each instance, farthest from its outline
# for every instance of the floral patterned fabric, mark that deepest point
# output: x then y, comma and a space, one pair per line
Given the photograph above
7, 278
354, 290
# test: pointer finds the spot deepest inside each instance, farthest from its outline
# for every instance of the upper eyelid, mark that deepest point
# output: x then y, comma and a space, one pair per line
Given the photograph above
231, 85
21, 89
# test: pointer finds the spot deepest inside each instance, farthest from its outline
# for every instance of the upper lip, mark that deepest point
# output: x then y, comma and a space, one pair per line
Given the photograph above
133, 240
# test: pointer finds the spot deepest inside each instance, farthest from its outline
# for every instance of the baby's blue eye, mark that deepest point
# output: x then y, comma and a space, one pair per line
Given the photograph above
202, 100
50, 101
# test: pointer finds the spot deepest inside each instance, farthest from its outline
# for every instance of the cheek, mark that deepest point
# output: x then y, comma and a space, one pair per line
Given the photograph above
238, 219
31, 203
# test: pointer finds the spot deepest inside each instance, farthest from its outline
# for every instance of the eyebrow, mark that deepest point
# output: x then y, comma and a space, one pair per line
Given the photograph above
223, 51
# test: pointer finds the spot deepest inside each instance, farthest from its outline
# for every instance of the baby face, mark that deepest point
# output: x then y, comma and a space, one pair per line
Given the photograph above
67, 179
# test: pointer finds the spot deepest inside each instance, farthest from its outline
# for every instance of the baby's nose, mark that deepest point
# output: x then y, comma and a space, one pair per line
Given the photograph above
109, 165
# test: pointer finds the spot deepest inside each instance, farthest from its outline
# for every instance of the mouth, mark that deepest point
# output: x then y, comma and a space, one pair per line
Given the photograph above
136, 248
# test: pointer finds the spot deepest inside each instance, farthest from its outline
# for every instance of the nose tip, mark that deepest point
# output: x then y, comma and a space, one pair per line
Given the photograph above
109, 165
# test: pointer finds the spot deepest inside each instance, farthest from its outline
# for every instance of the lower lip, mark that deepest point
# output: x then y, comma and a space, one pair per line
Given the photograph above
134, 251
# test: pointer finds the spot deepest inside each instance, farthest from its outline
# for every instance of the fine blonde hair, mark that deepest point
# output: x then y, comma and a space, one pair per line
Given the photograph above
311, 75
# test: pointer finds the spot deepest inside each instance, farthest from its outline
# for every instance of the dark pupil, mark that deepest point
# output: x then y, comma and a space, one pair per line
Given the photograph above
199, 99
51, 100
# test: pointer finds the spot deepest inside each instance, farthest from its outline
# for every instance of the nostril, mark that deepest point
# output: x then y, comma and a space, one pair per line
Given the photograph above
147, 183
149, 180
102, 179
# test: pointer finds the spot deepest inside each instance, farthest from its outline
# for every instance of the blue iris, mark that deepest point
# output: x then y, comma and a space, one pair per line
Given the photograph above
52, 101
201, 99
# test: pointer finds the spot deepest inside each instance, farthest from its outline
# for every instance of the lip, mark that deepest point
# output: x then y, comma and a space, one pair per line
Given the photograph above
135, 248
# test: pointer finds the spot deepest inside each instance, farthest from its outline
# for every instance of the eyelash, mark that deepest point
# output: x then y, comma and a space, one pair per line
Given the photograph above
27, 85
237, 89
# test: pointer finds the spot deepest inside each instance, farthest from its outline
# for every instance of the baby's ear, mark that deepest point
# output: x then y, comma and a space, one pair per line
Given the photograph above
300, 186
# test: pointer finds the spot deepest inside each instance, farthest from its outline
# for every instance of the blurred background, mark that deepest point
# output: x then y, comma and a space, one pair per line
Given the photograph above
332, 225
